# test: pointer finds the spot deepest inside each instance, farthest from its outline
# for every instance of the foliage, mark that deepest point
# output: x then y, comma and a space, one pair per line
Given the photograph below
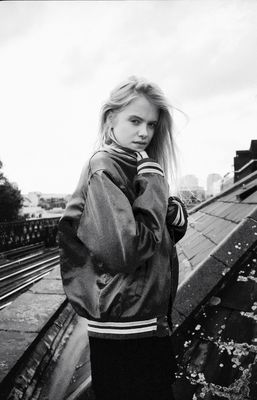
10, 199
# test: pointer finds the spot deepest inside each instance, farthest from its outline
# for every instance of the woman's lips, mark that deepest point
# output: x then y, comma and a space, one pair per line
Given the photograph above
141, 143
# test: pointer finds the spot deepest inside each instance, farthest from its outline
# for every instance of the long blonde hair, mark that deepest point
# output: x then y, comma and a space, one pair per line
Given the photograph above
162, 146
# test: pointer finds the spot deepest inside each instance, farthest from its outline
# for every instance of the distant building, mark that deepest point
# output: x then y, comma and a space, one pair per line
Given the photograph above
245, 161
52, 202
213, 184
39, 205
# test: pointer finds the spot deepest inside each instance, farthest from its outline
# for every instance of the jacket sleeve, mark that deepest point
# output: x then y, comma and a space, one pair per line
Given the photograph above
118, 235
177, 218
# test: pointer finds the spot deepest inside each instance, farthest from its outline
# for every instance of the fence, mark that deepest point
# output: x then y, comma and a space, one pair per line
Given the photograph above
21, 233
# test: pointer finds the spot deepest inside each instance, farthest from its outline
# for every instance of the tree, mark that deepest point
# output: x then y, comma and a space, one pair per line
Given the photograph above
1, 174
10, 199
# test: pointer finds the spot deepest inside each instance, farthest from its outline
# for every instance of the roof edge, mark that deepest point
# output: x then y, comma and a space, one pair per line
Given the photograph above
198, 286
237, 184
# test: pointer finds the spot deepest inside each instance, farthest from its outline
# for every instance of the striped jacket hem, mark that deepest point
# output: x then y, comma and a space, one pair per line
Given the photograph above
122, 329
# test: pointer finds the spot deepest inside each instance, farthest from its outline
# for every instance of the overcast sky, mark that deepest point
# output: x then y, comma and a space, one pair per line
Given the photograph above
59, 61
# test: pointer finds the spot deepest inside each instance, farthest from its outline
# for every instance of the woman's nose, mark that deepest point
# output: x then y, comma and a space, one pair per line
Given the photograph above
143, 131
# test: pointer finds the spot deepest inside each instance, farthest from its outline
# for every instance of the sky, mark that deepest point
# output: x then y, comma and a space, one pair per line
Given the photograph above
60, 60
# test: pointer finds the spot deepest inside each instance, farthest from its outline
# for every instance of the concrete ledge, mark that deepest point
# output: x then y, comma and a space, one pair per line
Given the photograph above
23, 320
29, 379
212, 271
196, 287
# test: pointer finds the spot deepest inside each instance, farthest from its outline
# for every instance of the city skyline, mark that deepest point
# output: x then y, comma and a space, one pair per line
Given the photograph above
49, 194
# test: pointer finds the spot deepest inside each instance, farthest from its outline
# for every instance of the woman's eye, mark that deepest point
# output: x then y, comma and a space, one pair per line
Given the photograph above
135, 121
152, 126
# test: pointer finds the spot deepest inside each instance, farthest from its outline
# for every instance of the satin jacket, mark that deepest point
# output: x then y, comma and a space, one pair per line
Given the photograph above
117, 246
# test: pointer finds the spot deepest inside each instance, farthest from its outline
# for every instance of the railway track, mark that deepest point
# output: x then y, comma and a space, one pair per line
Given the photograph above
18, 275
21, 251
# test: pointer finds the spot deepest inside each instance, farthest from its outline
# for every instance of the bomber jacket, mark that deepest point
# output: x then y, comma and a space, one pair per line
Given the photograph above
117, 238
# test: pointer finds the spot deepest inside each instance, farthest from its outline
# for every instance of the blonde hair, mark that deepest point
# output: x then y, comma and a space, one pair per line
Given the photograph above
162, 146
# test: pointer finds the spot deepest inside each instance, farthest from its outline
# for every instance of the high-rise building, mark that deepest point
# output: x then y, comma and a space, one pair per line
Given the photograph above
213, 184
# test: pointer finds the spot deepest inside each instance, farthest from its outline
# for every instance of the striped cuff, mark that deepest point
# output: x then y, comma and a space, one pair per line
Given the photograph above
180, 219
149, 166
176, 215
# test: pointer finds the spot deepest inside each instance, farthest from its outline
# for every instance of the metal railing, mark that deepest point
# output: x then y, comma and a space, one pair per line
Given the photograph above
22, 233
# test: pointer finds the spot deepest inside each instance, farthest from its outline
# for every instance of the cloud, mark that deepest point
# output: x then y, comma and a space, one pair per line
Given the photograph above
197, 49
61, 59
18, 18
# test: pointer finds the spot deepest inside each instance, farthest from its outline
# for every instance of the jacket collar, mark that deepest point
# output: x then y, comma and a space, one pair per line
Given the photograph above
113, 148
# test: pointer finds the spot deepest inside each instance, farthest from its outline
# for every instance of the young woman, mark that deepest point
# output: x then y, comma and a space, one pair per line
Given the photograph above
118, 260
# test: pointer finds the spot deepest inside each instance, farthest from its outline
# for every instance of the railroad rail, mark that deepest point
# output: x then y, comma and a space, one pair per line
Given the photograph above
17, 275
21, 251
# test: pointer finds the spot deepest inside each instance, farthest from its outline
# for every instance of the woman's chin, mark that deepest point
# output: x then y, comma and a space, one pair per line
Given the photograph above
138, 147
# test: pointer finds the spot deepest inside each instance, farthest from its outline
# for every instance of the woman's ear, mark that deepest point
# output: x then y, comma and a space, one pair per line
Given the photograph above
109, 118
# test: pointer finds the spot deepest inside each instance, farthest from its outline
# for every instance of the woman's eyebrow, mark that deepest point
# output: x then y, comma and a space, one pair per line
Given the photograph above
141, 119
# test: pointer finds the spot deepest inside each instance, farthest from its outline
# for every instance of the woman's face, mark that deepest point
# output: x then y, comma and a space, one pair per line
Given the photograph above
134, 126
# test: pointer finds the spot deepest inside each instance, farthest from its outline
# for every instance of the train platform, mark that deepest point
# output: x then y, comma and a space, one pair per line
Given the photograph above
23, 320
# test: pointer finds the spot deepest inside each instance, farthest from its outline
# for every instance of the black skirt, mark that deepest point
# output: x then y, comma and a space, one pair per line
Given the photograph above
132, 369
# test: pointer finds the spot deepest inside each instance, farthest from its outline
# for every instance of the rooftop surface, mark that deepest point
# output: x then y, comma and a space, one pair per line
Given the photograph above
215, 308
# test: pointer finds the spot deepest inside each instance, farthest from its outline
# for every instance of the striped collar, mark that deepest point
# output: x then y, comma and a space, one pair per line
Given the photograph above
111, 148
